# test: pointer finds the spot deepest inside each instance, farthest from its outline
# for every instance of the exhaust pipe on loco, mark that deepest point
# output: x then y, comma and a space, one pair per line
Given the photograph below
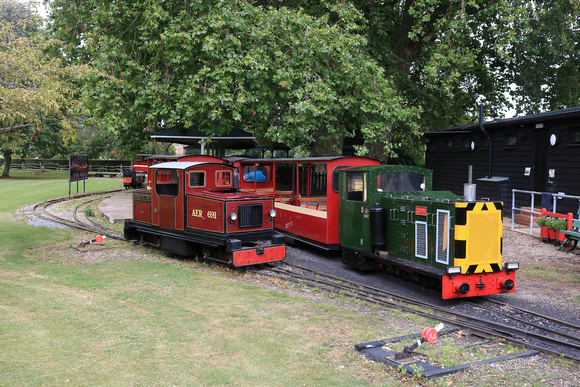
469, 189
378, 220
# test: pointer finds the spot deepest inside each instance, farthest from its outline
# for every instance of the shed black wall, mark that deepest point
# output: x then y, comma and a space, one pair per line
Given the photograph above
517, 144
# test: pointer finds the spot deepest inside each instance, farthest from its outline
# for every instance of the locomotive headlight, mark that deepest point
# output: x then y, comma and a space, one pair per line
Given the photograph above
233, 217
272, 213
453, 270
511, 266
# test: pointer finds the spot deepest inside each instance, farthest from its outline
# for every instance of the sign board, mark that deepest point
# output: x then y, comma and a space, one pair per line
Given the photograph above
78, 167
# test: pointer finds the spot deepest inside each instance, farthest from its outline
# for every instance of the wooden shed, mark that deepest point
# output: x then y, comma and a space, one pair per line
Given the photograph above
539, 153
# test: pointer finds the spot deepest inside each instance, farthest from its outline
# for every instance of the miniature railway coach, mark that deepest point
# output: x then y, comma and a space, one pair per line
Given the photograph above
193, 208
306, 192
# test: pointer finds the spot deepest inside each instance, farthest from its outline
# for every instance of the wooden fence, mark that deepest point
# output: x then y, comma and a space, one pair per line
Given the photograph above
95, 167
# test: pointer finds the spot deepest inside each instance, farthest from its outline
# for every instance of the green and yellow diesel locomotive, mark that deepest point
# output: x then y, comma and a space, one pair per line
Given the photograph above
391, 218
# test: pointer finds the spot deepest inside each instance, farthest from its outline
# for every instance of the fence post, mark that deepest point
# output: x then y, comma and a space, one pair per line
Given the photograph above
532, 214
513, 207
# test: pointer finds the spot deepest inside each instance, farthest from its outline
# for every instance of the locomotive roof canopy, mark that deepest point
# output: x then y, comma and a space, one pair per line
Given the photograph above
186, 164
234, 139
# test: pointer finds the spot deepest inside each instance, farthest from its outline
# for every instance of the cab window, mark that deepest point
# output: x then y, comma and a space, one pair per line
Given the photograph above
223, 178
196, 179
166, 182
356, 182
335, 176
401, 181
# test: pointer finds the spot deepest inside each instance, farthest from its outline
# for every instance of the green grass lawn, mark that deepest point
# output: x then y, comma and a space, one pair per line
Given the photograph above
144, 319
133, 316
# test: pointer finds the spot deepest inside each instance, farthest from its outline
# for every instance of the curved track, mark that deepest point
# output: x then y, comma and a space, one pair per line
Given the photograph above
78, 220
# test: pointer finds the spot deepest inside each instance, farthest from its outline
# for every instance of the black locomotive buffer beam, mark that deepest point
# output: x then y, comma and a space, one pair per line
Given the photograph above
374, 351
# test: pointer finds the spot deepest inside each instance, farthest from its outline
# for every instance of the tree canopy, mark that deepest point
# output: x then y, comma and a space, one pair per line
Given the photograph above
300, 72
280, 73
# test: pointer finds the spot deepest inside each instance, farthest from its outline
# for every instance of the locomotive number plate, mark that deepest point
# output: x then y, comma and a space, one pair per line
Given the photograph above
421, 211
199, 214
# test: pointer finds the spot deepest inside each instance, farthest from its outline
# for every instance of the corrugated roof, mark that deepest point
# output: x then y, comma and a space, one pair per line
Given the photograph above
532, 118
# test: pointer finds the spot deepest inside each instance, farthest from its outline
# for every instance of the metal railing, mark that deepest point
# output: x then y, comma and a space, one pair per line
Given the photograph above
555, 197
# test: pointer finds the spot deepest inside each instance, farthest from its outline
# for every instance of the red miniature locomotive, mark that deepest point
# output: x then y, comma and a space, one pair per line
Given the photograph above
194, 209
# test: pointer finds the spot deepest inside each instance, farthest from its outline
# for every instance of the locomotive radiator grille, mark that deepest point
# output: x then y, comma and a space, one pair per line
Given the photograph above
443, 231
250, 215
421, 239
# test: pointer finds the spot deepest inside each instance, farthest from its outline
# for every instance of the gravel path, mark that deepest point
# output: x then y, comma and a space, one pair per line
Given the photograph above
548, 279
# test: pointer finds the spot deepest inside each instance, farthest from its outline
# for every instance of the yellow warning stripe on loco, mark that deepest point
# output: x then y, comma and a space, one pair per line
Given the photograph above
478, 237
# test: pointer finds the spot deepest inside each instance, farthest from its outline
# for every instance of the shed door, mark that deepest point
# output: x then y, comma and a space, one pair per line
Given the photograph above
540, 160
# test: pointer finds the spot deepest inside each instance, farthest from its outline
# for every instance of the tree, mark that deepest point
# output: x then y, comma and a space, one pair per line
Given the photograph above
279, 73
546, 64
447, 56
304, 71
25, 21
34, 86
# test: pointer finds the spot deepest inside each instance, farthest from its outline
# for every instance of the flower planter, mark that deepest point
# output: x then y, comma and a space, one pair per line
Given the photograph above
561, 236
552, 234
545, 234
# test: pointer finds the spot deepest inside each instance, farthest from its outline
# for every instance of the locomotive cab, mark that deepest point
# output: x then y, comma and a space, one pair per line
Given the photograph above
194, 209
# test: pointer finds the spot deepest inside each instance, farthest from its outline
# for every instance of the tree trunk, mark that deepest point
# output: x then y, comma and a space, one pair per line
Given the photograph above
7, 162
157, 148
377, 151
322, 148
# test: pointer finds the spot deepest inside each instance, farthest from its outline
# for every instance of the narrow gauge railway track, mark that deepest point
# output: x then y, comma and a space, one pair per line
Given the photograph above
526, 329
42, 211
547, 325
501, 320
94, 225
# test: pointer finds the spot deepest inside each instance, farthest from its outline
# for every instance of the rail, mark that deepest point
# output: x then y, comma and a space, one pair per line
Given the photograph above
532, 209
